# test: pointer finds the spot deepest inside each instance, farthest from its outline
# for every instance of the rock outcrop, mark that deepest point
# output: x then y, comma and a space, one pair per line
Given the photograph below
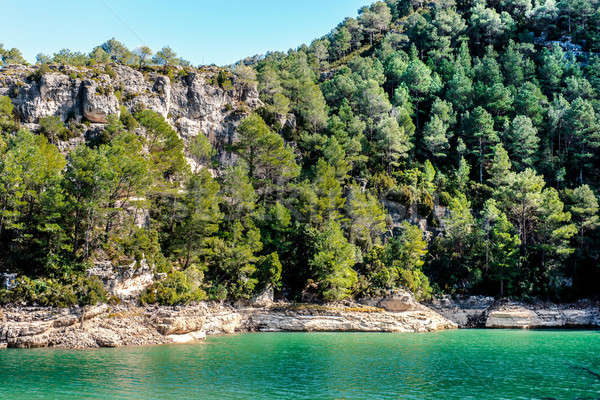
485, 312
395, 301
344, 319
127, 282
190, 99
105, 326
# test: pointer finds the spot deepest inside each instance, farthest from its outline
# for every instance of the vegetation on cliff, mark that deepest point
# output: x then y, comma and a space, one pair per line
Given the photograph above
473, 120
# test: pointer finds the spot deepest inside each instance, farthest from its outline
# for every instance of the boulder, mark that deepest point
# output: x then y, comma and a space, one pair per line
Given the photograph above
106, 338
399, 301
188, 337
179, 324
264, 298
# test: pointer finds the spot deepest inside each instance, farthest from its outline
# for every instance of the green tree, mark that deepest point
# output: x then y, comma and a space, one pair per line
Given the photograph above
53, 128
366, 219
341, 41
270, 162
116, 50
585, 210
200, 217
392, 143
8, 124
11, 56
436, 131
583, 133
201, 151
375, 19
420, 82
165, 57
144, 53
500, 243
482, 136
408, 251
32, 202
488, 25
332, 261
164, 145
233, 259
522, 141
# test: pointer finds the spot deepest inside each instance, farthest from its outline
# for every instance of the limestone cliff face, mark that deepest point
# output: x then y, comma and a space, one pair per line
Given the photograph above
189, 100
485, 312
113, 326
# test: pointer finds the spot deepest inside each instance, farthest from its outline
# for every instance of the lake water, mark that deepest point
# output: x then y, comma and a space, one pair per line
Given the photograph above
462, 364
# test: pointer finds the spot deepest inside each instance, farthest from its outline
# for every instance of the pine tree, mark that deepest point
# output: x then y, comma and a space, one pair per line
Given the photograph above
522, 141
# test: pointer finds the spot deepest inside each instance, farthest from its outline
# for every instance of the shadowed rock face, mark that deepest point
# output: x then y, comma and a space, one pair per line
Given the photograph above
484, 312
95, 107
189, 102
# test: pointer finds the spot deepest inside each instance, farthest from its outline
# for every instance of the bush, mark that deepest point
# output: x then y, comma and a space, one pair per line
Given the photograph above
179, 287
40, 72
89, 291
217, 293
52, 292
416, 282
128, 120
53, 128
110, 71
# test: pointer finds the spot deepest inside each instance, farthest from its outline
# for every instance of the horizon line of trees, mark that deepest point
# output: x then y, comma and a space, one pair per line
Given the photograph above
111, 51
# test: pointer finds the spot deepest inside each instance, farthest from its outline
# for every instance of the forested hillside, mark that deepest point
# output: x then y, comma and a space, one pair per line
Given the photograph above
444, 146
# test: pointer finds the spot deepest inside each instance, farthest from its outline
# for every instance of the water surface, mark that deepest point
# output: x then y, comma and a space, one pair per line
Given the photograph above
462, 364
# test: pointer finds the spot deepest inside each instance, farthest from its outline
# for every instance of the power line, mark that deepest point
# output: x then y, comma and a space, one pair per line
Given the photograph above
122, 21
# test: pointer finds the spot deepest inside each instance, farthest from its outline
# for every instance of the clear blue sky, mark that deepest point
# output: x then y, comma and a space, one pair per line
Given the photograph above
201, 31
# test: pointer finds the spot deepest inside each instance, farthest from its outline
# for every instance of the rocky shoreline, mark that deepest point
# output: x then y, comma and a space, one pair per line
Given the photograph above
486, 312
133, 325
130, 325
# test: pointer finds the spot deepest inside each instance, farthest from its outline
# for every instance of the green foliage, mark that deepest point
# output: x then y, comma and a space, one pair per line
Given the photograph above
200, 150
270, 162
475, 120
53, 128
179, 287
332, 261
7, 119
50, 292
164, 145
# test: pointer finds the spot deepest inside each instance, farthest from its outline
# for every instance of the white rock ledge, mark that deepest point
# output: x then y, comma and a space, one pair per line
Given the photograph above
105, 326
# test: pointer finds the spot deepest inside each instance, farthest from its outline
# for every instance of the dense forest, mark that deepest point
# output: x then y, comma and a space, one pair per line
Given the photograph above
442, 146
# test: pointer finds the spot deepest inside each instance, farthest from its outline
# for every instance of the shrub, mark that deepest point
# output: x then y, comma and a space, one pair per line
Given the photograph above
40, 72
128, 121
52, 292
217, 293
179, 287
53, 128
89, 290
110, 71
417, 282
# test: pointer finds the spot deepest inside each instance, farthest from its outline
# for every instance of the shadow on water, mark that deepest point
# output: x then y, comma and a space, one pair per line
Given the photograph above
585, 369
579, 368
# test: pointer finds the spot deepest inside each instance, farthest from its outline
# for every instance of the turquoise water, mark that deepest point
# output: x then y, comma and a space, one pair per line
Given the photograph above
463, 364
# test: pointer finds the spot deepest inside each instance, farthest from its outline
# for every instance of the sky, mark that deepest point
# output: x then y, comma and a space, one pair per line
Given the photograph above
201, 31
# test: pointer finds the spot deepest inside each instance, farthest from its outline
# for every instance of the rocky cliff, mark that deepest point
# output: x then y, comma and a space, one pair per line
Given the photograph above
113, 326
192, 100
485, 312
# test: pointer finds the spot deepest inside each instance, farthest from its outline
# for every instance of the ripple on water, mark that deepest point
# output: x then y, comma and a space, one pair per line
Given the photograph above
464, 364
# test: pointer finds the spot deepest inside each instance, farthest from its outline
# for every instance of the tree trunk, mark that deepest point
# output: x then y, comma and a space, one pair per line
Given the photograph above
480, 160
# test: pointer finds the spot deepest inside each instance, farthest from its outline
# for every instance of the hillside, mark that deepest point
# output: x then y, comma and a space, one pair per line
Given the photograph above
444, 146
